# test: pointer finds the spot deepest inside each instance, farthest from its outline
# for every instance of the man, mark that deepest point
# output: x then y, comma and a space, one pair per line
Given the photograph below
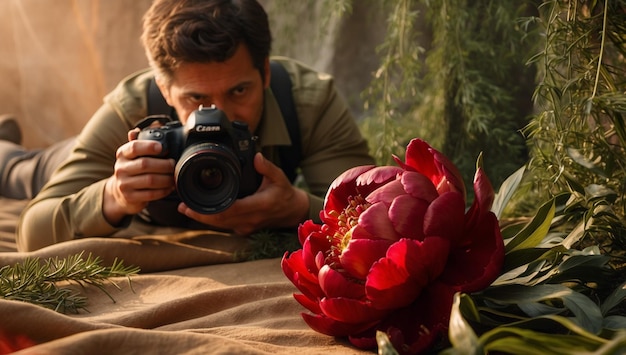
201, 52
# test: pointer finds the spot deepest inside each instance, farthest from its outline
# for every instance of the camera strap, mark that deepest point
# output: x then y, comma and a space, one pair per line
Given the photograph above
157, 104
290, 156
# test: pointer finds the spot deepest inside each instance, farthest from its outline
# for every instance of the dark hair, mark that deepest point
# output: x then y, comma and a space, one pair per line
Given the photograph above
202, 31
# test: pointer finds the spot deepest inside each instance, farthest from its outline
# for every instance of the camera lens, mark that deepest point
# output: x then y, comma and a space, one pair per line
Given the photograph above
211, 178
208, 177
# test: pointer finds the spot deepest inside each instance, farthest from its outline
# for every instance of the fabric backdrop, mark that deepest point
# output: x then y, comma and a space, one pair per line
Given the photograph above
58, 58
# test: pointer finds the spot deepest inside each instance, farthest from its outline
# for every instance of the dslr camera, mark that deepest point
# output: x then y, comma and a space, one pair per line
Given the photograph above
214, 158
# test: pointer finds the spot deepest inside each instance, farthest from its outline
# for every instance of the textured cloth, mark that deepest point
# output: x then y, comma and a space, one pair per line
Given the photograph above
190, 297
241, 308
70, 206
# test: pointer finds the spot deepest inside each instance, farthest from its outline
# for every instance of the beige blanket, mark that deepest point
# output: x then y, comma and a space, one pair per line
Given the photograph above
189, 298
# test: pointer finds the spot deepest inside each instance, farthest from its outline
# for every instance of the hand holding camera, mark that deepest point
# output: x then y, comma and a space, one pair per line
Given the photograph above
209, 164
156, 161
214, 159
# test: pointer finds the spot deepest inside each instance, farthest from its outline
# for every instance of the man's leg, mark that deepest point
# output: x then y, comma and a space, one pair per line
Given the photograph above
10, 130
24, 172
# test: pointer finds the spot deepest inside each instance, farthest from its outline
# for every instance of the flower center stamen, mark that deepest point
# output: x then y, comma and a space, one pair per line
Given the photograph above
346, 221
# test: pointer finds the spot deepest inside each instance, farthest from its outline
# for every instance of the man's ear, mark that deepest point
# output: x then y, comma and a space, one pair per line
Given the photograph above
268, 74
164, 88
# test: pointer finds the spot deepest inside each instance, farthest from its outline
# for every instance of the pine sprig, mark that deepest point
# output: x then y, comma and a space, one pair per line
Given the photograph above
41, 281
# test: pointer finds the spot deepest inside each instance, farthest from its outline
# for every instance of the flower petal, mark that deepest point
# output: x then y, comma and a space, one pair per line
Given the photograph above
335, 284
296, 271
410, 265
419, 186
444, 215
476, 265
419, 156
325, 325
364, 341
389, 286
483, 190
293, 264
426, 259
310, 251
415, 328
375, 220
343, 187
306, 302
377, 177
436, 166
387, 193
306, 229
407, 216
357, 258
484, 196
350, 311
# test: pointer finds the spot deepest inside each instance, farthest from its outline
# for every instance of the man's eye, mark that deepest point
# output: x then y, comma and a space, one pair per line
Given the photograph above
239, 91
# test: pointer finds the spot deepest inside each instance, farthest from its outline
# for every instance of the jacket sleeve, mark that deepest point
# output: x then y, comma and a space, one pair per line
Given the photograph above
70, 204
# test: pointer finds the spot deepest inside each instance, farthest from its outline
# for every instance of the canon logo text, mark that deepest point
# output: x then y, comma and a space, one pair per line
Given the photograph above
201, 128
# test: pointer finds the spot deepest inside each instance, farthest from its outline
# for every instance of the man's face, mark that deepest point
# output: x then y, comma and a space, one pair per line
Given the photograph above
234, 86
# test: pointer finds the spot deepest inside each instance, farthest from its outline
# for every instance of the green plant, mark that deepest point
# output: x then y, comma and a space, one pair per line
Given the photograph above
465, 91
578, 136
44, 282
395, 89
551, 298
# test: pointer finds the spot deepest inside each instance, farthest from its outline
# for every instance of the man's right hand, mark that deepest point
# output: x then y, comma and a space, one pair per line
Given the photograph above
138, 178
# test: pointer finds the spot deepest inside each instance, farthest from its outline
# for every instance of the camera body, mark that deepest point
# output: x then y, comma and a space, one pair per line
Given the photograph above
214, 159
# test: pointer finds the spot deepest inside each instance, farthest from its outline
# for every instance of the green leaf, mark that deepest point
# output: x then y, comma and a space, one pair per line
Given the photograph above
506, 191
614, 322
535, 230
587, 314
384, 344
583, 268
510, 230
522, 257
461, 335
522, 274
617, 345
614, 299
511, 340
575, 235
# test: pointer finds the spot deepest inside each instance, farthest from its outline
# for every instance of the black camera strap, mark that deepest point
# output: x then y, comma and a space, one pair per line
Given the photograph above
280, 85
157, 104
290, 156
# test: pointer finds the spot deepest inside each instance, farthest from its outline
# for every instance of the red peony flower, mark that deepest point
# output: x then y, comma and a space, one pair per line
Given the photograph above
396, 243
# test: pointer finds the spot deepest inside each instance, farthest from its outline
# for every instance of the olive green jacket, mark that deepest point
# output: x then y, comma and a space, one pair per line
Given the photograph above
70, 205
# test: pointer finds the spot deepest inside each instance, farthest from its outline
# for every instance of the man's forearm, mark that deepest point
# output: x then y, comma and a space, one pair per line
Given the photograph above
52, 220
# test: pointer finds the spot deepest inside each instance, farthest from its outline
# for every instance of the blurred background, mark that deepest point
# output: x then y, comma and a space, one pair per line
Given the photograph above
60, 57
536, 83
